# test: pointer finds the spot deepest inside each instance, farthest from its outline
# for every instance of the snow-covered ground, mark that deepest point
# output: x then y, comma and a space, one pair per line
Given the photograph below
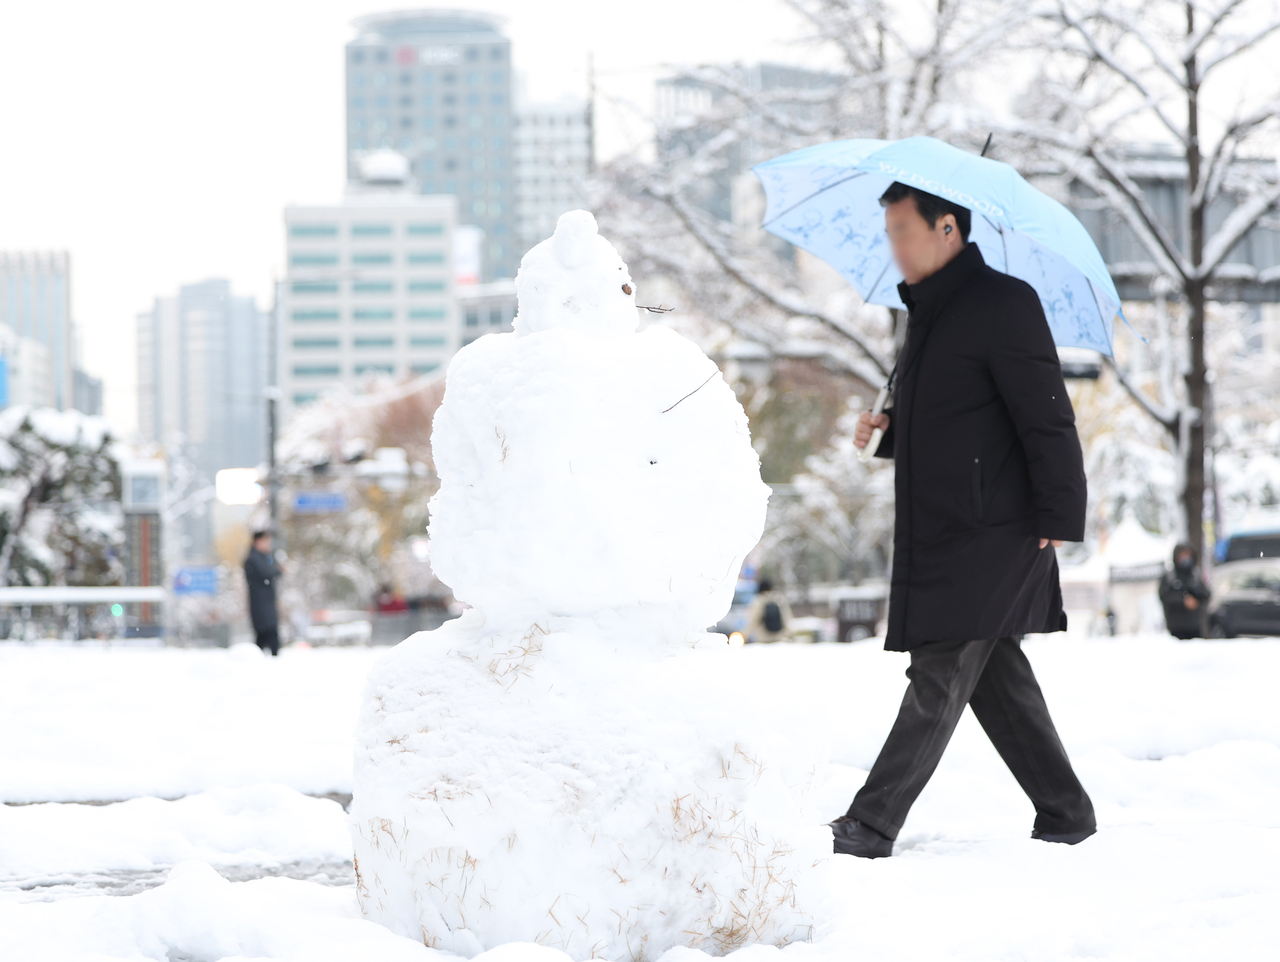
1178, 743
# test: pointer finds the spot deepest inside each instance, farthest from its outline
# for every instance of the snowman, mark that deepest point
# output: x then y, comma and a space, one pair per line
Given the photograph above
569, 762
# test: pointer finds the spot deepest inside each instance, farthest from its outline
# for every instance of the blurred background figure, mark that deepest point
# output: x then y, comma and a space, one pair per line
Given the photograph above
769, 618
390, 600
1183, 594
261, 573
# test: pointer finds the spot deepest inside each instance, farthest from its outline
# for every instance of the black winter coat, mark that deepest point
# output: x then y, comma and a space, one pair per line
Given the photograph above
987, 461
261, 572
1175, 585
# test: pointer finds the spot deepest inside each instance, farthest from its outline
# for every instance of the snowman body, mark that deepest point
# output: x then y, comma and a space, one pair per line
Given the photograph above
567, 762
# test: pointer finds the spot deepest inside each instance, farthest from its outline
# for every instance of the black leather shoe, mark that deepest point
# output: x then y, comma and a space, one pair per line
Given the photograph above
854, 838
1066, 838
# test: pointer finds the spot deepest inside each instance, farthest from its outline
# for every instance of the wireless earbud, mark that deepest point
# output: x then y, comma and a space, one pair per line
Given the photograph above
947, 229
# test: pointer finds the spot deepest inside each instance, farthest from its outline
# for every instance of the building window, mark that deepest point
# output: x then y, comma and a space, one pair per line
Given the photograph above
472, 53
371, 257
499, 143
314, 287
424, 368
497, 316
313, 230
380, 56
495, 208
300, 399
428, 77
427, 314
449, 77
476, 120
313, 259
435, 340
407, 122
357, 102
499, 119
357, 56
495, 187
369, 342
370, 230
473, 318
496, 99
473, 77
477, 208
450, 121
315, 315
375, 369
425, 230
309, 343
316, 370
450, 100
373, 314
426, 287
372, 287
473, 99
426, 257
406, 101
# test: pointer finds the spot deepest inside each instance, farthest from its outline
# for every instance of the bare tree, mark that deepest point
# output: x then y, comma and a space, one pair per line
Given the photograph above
898, 70
1119, 71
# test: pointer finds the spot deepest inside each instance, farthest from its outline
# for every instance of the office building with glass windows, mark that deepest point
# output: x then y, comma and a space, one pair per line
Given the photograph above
369, 292
35, 303
552, 162
435, 85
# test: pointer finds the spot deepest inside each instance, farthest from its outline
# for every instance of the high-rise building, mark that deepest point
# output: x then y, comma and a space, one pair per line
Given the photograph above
26, 376
435, 85
370, 285
35, 302
202, 369
552, 161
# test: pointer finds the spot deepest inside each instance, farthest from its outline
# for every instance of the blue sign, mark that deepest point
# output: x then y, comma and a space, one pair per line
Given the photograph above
319, 502
196, 581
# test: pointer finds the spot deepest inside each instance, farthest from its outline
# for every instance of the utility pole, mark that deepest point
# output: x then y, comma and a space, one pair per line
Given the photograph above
591, 113
272, 395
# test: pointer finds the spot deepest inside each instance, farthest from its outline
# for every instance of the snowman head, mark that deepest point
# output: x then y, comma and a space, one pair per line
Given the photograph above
575, 279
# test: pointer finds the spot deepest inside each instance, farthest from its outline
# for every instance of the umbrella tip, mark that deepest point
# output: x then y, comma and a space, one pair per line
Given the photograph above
987, 144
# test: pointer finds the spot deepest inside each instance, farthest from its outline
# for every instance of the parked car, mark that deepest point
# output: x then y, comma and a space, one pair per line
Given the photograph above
1245, 599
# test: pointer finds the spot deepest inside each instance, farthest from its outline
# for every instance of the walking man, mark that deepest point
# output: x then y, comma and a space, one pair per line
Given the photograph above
988, 474
261, 573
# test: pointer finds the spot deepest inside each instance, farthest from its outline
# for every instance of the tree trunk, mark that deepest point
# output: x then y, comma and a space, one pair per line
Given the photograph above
1193, 492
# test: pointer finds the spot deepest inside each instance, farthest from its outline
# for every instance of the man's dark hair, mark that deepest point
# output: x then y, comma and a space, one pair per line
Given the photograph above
260, 533
930, 206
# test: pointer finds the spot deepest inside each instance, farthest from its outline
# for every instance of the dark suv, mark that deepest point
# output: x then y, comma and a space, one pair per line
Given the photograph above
1246, 599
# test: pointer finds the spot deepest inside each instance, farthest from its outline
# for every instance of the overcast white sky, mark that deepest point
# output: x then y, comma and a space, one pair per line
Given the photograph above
158, 141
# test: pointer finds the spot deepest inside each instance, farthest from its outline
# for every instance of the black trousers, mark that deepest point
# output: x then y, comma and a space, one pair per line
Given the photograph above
995, 679
269, 638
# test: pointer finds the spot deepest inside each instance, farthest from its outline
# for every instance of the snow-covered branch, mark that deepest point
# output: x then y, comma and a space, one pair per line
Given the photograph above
780, 299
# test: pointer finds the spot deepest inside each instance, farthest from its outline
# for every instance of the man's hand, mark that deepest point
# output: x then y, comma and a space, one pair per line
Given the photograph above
1045, 541
1191, 602
867, 422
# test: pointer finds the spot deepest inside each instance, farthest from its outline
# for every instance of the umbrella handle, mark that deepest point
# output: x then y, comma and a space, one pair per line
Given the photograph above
869, 452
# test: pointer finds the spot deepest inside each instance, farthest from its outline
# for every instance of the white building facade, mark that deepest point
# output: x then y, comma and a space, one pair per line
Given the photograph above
26, 371
369, 292
552, 161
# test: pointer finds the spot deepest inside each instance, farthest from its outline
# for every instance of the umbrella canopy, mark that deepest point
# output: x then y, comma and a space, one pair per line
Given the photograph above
825, 199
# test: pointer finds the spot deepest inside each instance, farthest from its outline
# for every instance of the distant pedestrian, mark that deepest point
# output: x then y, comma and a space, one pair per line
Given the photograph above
769, 617
988, 474
1183, 594
261, 573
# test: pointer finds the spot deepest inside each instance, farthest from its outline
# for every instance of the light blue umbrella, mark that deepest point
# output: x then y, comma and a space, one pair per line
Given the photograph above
825, 199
